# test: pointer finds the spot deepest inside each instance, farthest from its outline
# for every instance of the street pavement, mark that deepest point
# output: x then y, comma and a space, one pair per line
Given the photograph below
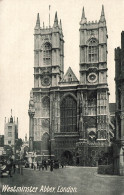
69, 180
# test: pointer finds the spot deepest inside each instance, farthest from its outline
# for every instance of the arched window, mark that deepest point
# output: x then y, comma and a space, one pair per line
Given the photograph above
68, 115
47, 54
93, 51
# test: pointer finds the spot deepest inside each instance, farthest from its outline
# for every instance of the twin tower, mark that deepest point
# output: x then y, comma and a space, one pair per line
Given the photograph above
69, 118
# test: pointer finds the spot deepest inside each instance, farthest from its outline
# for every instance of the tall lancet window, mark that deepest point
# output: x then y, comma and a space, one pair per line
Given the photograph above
93, 50
68, 115
47, 54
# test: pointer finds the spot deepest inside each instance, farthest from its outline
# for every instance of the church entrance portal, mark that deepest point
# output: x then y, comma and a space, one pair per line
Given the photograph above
67, 158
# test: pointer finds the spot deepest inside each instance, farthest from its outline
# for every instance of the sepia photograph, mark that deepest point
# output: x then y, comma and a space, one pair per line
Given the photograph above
62, 97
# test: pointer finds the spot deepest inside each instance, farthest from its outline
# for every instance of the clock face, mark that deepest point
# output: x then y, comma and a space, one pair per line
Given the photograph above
46, 81
92, 77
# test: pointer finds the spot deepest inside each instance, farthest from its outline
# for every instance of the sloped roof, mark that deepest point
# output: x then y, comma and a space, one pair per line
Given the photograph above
71, 74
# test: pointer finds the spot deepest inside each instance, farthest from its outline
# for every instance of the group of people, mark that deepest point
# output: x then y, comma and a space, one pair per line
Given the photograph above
42, 165
45, 164
11, 167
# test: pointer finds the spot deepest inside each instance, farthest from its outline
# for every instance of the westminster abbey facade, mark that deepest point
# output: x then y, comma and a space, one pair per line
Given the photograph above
69, 118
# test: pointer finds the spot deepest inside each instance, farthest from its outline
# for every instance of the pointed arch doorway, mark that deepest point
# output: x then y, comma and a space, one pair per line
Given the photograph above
67, 158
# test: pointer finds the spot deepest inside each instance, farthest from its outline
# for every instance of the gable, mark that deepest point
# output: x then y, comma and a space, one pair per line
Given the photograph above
69, 77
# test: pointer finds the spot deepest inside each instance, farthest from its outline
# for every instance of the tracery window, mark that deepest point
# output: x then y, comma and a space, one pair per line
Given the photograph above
93, 51
47, 54
68, 115
91, 103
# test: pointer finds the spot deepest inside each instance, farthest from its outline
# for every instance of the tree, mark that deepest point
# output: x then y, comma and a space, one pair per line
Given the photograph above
8, 150
18, 144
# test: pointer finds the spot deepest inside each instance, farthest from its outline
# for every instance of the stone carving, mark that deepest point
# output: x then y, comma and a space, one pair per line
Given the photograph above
31, 102
31, 110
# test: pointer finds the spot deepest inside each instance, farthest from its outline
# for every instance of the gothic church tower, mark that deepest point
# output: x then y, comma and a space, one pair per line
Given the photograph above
93, 77
48, 71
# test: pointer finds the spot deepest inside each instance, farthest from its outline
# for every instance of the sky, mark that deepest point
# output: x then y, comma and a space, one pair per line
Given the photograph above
17, 22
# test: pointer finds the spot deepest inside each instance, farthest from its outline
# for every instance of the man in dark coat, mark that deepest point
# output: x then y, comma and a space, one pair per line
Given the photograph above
51, 165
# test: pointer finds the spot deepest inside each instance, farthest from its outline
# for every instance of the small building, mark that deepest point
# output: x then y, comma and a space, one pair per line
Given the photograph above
119, 81
11, 132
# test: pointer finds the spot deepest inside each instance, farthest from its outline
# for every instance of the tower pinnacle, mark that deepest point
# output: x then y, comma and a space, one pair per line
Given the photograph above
11, 118
37, 22
55, 20
83, 13
83, 19
60, 24
102, 17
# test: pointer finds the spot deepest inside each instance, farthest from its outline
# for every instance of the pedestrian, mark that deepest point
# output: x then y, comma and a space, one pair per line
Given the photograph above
17, 166
62, 165
45, 165
35, 165
39, 166
42, 166
51, 165
32, 165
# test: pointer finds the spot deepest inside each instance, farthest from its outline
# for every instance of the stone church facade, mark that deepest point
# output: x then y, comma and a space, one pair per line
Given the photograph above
69, 118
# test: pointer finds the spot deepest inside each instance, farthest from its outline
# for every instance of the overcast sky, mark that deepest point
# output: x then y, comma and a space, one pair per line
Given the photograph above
17, 21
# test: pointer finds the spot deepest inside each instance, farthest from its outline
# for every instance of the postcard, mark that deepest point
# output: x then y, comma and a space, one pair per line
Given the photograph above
61, 102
